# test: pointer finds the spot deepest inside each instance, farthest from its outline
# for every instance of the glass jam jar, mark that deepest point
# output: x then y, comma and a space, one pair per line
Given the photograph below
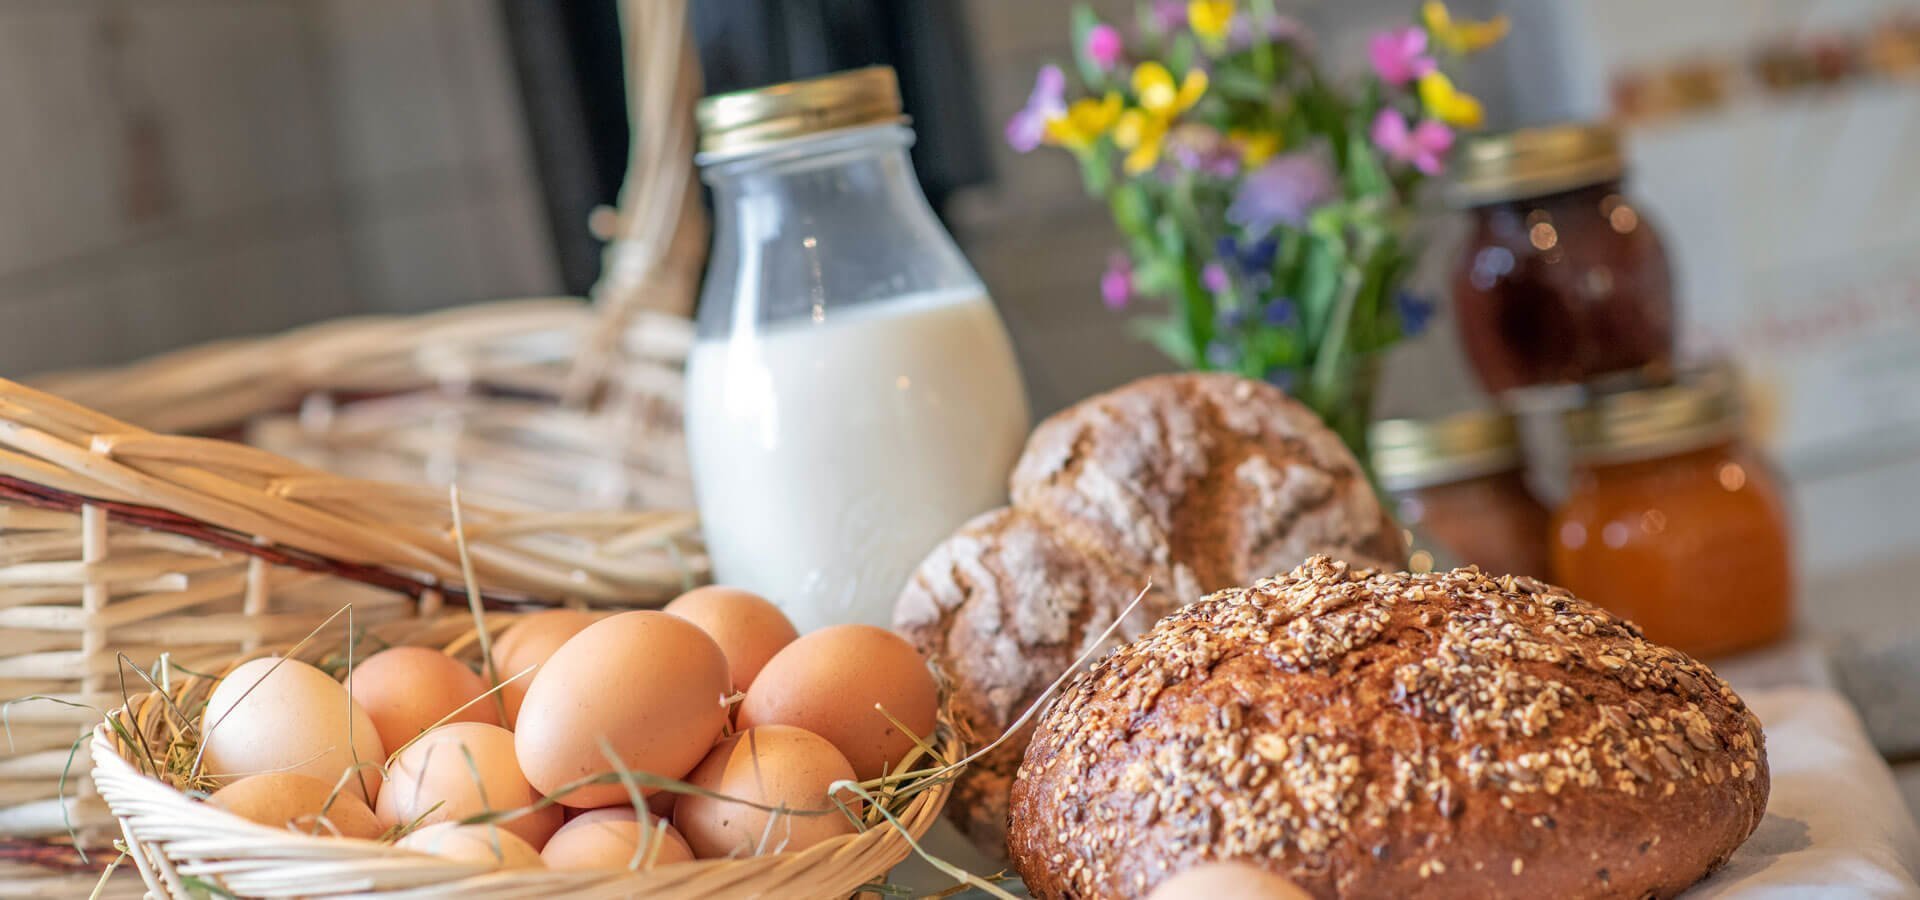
1459, 484
852, 395
1563, 278
1672, 522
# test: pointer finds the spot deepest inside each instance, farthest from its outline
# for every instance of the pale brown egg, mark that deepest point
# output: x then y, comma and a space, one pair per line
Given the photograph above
828, 682
748, 628
299, 803
647, 686
480, 844
1231, 880
461, 770
610, 838
283, 715
772, 765
408, 690
528, 642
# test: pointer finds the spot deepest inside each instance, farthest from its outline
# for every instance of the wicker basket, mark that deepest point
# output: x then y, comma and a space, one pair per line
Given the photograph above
115, 540
179, 844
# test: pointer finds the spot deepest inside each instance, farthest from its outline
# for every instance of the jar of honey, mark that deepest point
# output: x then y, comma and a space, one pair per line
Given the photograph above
1563, 278
1458, 483
1671, 521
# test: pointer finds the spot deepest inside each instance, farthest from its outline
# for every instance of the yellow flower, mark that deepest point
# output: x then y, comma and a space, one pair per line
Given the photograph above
1153, 86
1449, 104
1141, 134
1461, 37
1210, 18
1256, 147
1086, 120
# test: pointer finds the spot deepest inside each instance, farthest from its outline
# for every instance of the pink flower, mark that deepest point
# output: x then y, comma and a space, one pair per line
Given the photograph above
1116, 285
1400, 55
1425, 146
1104, 45
1049, 100
1213, 276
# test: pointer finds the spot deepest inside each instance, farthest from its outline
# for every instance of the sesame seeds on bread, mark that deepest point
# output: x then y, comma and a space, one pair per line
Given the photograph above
1371, 734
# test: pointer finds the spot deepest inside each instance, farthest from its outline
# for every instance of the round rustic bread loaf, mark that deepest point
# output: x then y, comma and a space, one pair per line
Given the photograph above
1193, 481
1367, 734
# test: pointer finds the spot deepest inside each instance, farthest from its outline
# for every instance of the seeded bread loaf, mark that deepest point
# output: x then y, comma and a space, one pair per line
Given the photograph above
1194, 481
1387, 735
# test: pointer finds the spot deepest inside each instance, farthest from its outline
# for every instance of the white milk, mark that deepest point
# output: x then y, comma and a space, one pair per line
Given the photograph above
829, 457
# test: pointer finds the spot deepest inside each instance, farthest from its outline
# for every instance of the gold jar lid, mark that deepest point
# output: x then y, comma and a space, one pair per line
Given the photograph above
1697, 408
1416, 453
749, 120
1534, 162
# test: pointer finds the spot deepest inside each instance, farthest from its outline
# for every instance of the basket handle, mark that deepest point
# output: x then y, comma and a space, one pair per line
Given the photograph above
659, 236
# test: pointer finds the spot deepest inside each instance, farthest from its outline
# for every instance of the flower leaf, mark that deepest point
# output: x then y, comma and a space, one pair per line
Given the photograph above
1170, 336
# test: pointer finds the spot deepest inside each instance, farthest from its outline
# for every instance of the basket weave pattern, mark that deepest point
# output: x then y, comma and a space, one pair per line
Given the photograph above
115, 540
174, 839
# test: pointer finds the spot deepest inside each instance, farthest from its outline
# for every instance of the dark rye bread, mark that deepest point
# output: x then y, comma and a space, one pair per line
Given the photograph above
1194, 481
1388, 735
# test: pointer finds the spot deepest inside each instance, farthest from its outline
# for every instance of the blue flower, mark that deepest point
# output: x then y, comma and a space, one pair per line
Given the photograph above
1259, 256
1280, 377
1221, 355
1230, 318
1279, 313
1416, 312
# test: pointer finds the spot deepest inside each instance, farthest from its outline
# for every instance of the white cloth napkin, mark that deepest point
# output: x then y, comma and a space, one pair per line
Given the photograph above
1836, 825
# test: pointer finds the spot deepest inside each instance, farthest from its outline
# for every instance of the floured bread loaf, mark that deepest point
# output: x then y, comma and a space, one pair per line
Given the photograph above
1195, 481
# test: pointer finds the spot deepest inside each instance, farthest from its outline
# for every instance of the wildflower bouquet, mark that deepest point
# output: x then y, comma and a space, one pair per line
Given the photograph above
1268, 205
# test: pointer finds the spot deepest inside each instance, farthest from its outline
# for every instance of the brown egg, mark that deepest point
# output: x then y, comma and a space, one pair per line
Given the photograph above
461, 770
773, 765
748, 628
610, 838
528, 642
828, 683
662, 803
1231, 880
299, 803
283, 715
482, 844
648, 686
408, 690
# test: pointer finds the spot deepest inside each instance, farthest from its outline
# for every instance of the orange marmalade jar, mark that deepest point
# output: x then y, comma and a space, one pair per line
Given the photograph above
1671, 522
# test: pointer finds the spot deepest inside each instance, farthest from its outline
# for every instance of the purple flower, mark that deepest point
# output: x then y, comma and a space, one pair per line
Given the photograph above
1425, 145
1049, 100
1280, 30
1279, 313
1169, 16
1116, 285
1282, 192
1213, 276
1198, 148
1400, 55
1416, 312
1104, 45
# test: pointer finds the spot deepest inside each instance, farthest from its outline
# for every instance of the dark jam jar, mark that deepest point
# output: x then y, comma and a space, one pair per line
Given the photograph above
1563, 278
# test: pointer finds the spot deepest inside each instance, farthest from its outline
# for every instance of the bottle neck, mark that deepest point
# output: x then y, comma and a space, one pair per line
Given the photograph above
810, 226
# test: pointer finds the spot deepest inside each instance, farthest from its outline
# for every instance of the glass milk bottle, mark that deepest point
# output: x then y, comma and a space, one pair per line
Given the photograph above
852, 396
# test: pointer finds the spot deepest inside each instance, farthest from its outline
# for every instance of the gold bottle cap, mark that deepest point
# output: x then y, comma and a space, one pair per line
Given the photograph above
1416, 453
1533, 162
1695, 409
749, 120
